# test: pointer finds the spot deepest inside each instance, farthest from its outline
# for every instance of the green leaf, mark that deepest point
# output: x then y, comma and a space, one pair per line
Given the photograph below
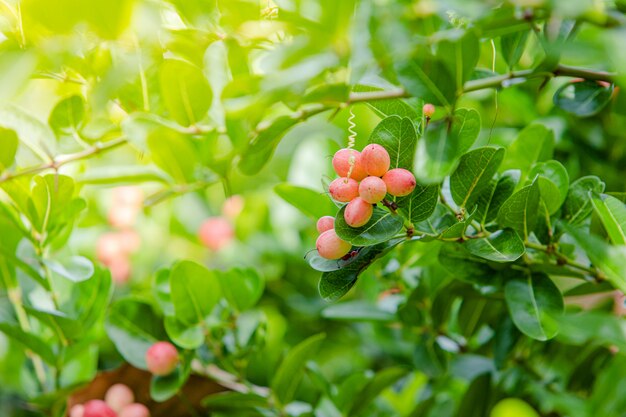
612, 214
75, 268
232, 402
535, 143
535, 305
8, 143
187, 337
67, 116
29, 341
133, 327
441, 146
335, 284
520, 210
476, 400
501, 246
30, 131
583, 98
242, 287
553, 183
195, 290
357, 311
391, 107
124, 174
459, 50
291, 370
174, 154
312, 203
513, 46
186, 92
494, 195
262, 147
162, 388
382, 380
577, 206
397, 135
420, 204
382, 226
473, 174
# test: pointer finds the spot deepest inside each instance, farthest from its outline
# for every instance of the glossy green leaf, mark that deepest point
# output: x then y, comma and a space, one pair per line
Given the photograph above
513, 46
29, 341
519, 211
8, 143
263, 145
382, 226
241, 287
494, 195
535, 143
187, 337
232, 402
397, 135
291, 370
357, 311
174, 154
391, 107
577, 206
382, 380
313, 203
186, 92
420, 204
195, 290
535, 305
123, 174
75, 268
474, 172
30, 131
553, 183
612, 214
162, 388
501, 246
476, 400
67, 115
583, 98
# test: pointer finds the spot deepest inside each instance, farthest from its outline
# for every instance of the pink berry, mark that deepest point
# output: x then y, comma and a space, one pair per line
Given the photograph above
135, 410
233, 206
341, 164
376, 160
128, 196
358, 212
428, 110
400, 182
162, 358
77, 410
372, 189
98, 408
122, 217
119, 396
120, 269
109, 247
216, 232
325, 223
331, 246
344, 189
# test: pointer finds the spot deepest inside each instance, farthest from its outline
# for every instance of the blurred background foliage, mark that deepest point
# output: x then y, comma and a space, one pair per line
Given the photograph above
198, 100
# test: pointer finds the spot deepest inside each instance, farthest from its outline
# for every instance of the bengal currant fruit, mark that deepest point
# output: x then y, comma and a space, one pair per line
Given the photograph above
428, 110
325, 223
331, 246
98, 408
135, 410
346, 159
77, 410
372, 189
232, 207
161, 358
344, 189
126, 204
216, 232
358, 212
375, 159
119, 396
399, 182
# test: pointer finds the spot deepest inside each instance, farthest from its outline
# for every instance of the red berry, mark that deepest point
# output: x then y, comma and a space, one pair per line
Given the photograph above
119, 396
325, 223
98, 408
375, 159
399, 181
135, 410
162, 358
216, 232
343, 189
331, 246
372, 189
428, 110
341, 164
358, 212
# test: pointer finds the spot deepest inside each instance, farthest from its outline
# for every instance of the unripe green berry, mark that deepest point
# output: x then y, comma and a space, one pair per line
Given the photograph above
331, 246
358, 212
342, 164
375, 159
344, 189
325, 223
372, 189
399, 182
428, 110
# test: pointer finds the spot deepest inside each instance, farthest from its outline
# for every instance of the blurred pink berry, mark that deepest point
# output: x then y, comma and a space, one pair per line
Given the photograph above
161, 358
216, 232
119, 396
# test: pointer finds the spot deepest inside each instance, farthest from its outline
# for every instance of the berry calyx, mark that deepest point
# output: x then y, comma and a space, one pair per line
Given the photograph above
98, 408
325, 223
399, 182
372, 189
135, 410
216, 232
119, 396
358, 212
331, 246
344, 189
346, 159
375, 159
428, 110
161, 358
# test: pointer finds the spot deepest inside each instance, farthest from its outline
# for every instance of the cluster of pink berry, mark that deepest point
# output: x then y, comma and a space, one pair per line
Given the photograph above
119, 401
364, 180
